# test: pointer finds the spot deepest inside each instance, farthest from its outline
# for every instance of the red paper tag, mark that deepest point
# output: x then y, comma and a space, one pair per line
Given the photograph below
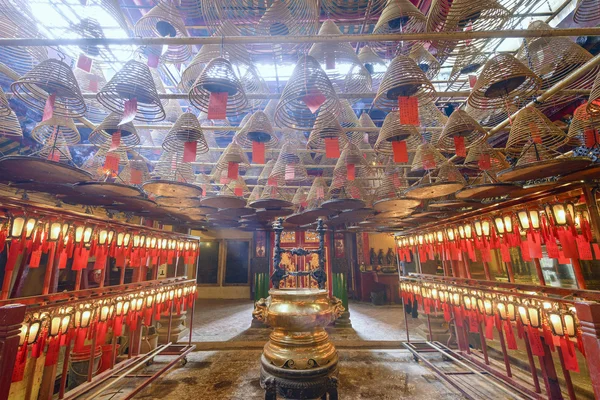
584, 249
49, 107
591, 137
116, 141
93, 83
535, 133
330, 60
290, 172
232, 170
510, 336
271, 182
459, 145
400, 151
84, 63
153, 60
100, 260
320, 193
258, 152
62, 261
224, 180
428, 161
54, 155
537, 347
135, 177
408, 108
189, 151
350, 171
535, 245
568, 351
34, 261
332, 148
552, 249
217, 105
314, 100
129, 111
505, 253
238, 191
596, 251
120, 260
472, 80
111, 163
484, 162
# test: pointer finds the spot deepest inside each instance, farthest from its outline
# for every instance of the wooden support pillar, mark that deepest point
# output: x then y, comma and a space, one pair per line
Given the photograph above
538, 270
578, 274
549, 374
11, 318
589, 318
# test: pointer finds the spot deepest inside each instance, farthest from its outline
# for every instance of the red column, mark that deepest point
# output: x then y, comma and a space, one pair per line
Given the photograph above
11, 318
589, 318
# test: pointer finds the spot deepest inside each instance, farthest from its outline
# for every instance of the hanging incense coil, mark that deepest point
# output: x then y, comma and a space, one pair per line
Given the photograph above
10, 126
289, 167
317, 193
102, 136
54, 128
593, 105
586, 11
460, 125
164, 20
584, 127
365, 121
89, 28
351, 9
263, 178
256, 193
22, 59
431, 122
447, 181
90, 82
135, 165
398, 16
403, 78
481, 153
392, 184
466, 62
185, 130
300, 199
113, 8
233, 154
374, 64
307, 79
56, 150
427, 157
133, 81
5, 109
348, 119
235, 187
333, 55
345, 195
393, 131
172, 110
219, 123
254, 83
274, 197
170, 167
425, 61
503, 79
491, 117
218, 77
351, 156
326, 127
196, 66
51, 77
531, 126
257, 129
553, 59
95, 164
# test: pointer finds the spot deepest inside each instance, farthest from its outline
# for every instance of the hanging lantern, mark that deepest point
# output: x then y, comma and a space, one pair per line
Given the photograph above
499, 223
450, 234
31, 331
507, 311
83, 233
18, 224
559, 213
83, 316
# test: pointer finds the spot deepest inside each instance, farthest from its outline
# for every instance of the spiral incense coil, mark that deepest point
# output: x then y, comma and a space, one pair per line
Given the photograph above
307, 79
257, 129
403, 78
351, 155
449, 173
56, 150
170, 167
326, 127
348, 119
51, 77
95, 164
425, 61
164, 20
254, 83
332, 56
427, 157
593, 105
586, 11
22, 59
534, 153
300, 199
235, 187
137, 165
186, 129
398, 16
393, 131
5, 109
133, 81
531, 126
352, 8
491, 117
317, 193
289, 167
392, 184
89, 28
233, 154
102, 135
466, 62
204, 182
503, 79
206, 123
460, 124
583, 127
172, 110
375, 65
56, 127
283, 193
481, 152
196, 66
431, 122
218, 77
342, 188
263, 178
113, 8
553, 59
365, 121
10, 126
256, 193
91, 82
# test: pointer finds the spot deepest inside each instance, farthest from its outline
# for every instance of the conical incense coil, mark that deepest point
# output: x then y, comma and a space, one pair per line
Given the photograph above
56, 150
257, 129
593, 105
186, 130
531, 126
403, 78
317, 193
22, 59
218, 78
449, 173
171, 167
51, 81
253, 83
374, 64
204, 182
342, 188
164, 20
398, 16
113, 8
533, 154
5, 109
54, 128
584, 127
486, 158
352, 8
503, 79
467, 61
256, 193
553, 59
263, 178
10, 126
89, 28
300, 199
327, 128
103, 135
425, 61
206, 53
289, 167
221, 123
90, 82
431, 122
172, 110
392, 185
491, 117
348, 119
427, 157
365, 121
133, 81
277, 193
96, 164
135, 172
586, 11
351, 164
393, 131
235, 187
308, 86
460, 133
